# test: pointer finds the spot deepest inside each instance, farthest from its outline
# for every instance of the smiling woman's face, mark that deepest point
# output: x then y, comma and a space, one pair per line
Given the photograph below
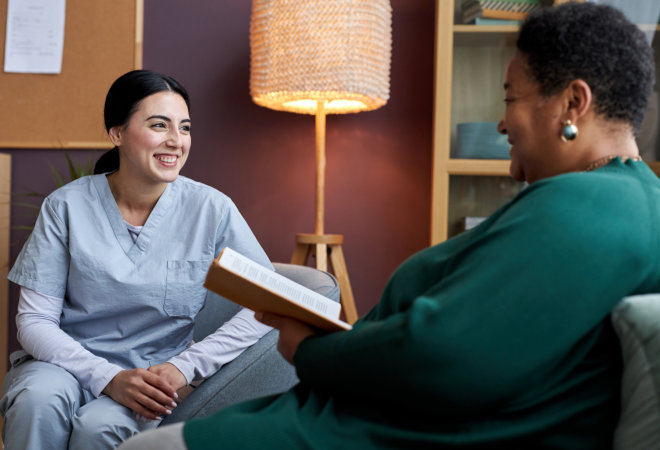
531, 122
155, 143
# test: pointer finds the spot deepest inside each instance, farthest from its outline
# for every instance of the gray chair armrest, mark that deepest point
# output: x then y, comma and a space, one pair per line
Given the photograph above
257, 372
260, 370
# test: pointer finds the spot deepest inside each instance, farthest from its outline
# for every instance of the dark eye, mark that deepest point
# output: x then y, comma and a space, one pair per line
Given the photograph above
185, 128
158, 125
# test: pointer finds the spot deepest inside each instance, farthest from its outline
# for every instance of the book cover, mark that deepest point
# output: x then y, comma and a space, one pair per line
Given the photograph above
499, 9
258, 288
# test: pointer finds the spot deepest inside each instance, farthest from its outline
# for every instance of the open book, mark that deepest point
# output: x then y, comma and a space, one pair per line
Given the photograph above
258, 288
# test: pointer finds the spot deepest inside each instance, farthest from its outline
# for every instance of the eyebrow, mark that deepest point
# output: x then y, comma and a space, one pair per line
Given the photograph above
165, 118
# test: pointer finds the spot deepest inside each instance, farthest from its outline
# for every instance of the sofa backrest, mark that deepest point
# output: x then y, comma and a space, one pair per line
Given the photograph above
636, 320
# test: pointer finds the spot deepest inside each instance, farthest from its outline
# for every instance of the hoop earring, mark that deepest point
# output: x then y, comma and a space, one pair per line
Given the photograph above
569, 131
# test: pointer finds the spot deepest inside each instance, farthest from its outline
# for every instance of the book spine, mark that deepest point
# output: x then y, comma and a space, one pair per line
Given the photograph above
511, 4
505, 15
499, 9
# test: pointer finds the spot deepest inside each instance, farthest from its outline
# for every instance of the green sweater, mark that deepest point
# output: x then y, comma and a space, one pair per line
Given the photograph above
497, 338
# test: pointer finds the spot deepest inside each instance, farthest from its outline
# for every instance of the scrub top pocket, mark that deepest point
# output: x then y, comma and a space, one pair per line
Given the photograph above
185, 291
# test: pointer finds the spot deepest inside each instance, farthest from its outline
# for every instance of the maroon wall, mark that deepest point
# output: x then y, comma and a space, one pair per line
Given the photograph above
378, 178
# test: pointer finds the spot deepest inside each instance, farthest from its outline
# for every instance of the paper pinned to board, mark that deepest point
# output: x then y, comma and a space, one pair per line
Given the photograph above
35, 36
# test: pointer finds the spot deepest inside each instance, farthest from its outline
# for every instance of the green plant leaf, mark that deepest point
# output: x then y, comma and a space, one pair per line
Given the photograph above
73, 173
27, 205
28, 194
57, 178
23, 227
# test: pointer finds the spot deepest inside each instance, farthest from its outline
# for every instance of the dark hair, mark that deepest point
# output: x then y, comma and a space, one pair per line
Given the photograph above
597, 44
123, 99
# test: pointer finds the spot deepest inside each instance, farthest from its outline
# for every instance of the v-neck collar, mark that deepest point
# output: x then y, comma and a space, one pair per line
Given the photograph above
118, 225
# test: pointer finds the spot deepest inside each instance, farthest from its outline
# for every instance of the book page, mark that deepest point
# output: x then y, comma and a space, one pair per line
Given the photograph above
279, 284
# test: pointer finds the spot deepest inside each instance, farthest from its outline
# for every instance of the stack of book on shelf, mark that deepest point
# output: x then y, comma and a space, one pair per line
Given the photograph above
499, 12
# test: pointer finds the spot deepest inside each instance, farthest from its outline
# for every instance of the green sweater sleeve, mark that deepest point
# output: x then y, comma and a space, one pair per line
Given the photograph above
507, 308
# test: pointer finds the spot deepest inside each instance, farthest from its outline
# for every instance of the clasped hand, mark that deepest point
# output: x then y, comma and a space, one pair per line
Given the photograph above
151, 393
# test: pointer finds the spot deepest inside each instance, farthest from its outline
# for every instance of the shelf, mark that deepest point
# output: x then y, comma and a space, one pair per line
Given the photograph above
500, 35
485, 35
496, 167
480, 29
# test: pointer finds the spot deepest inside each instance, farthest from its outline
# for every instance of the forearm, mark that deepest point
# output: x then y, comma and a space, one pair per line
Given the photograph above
40, 335
206, 357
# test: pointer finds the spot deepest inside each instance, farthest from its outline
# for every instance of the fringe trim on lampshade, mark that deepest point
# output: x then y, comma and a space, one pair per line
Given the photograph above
303, 51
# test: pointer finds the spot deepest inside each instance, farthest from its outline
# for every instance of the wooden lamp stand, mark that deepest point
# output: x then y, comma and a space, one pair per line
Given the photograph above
320, 244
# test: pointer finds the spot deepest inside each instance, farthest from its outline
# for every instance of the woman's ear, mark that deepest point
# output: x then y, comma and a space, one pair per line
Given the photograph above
578, 99
115, 135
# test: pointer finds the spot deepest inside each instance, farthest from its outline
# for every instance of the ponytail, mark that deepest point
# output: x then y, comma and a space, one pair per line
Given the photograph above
108, 162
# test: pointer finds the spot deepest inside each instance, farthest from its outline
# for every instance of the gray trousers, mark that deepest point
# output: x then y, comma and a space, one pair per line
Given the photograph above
44, 407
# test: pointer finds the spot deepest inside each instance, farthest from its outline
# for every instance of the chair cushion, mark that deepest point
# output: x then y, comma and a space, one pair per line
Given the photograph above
636, 320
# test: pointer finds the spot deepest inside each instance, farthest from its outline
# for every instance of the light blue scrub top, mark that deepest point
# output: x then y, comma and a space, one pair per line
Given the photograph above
131, 303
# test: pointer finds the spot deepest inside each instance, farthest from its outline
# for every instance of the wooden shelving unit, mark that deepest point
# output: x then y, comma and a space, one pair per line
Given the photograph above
457, 46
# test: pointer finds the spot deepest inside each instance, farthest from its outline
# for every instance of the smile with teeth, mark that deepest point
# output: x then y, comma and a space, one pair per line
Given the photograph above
167, 159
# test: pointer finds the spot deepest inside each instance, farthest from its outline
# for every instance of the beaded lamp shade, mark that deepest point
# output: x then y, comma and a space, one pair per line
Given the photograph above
321, 57
336, 52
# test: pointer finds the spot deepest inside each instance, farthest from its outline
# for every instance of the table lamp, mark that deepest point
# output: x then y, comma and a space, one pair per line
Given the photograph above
321, 57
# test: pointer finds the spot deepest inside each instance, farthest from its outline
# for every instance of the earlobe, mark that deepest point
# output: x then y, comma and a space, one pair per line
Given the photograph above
115, 136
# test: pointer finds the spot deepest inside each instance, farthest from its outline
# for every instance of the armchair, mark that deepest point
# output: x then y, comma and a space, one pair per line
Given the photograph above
259, 370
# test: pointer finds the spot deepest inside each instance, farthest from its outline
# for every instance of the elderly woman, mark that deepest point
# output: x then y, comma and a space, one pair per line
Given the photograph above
499, 337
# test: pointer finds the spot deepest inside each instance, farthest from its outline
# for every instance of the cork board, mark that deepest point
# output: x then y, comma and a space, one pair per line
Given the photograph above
102, 40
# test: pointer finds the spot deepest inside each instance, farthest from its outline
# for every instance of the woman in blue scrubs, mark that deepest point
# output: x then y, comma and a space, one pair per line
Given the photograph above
112, 279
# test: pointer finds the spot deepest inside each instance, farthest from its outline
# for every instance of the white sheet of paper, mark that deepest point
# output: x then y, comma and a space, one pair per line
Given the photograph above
35, 36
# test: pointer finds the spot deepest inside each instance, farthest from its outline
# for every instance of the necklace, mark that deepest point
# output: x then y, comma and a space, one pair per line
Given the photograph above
603, 161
